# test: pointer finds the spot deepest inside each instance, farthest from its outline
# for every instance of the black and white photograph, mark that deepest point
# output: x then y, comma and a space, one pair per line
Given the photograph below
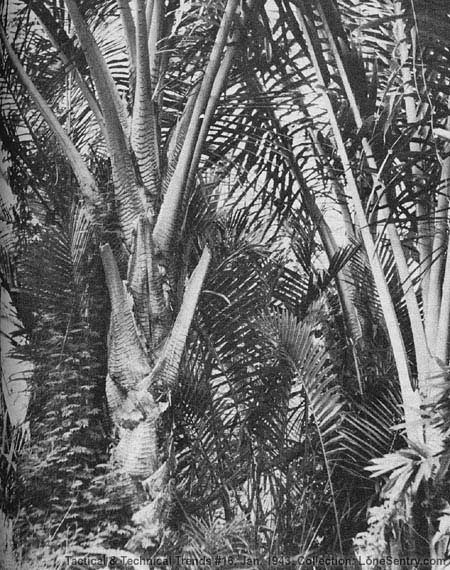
225, 284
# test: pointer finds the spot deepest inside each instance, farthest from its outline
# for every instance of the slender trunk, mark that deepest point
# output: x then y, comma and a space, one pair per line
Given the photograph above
130, 32
144, 130
129, 195
438, 254
60, 42
339, 192
85, 179
439, 291
444, 317
165, 231
436, 301
154, 16
411, 399
343, 283
412, 117
417, 326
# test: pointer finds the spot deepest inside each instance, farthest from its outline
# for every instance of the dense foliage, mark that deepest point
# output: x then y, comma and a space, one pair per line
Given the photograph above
215, 372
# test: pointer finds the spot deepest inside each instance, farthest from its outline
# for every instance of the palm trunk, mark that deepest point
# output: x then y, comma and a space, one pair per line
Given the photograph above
85, 179
147, 327
418, 331
146, 341
165, 229
130, 33
412, 116
411, 399
437, 257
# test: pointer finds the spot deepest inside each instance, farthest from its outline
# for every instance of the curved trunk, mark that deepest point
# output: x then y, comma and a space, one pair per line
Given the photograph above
129, 196
85, 179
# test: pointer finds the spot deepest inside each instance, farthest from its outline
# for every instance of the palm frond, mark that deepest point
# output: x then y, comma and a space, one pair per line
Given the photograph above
295, 342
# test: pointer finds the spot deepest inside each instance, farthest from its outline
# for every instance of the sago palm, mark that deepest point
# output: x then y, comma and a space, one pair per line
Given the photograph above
169, 155
153, 167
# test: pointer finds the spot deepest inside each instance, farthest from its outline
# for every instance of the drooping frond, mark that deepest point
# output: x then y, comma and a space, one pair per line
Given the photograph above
315, 390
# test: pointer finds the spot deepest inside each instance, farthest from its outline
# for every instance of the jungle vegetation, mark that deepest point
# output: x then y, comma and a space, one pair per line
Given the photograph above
225, 240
